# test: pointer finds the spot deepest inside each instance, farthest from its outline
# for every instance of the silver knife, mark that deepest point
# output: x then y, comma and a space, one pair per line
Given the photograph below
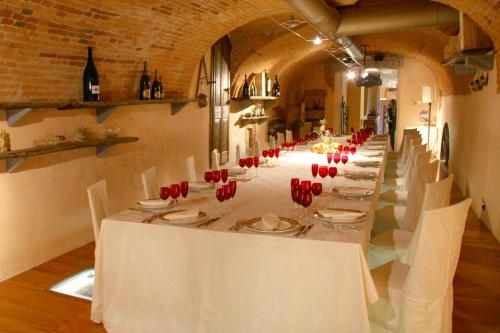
204, 224
307, 229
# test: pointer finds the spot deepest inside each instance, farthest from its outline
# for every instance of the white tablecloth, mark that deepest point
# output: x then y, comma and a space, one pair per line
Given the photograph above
157, 278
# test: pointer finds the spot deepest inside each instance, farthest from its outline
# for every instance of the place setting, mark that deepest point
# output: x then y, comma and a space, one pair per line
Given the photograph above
341, 218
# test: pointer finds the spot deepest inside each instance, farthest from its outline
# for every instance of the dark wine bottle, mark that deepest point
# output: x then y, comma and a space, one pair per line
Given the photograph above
246, 88
155, 88
276, 87
145, 84
162, 89
90, 80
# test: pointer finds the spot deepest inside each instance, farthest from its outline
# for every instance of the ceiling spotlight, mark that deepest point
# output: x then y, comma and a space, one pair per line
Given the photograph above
317, 41
351, 75
364, 74
371, 70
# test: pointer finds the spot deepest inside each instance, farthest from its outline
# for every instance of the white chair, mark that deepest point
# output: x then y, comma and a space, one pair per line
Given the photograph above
289, 136
238, 153
281, 139
392, 244
272, 142
418, 297
215, 160
191, 170
98, 202
257, 148
149, 183
394, 215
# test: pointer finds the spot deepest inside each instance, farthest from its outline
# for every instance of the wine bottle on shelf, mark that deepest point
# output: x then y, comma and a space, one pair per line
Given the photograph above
246, 88
253, 89
145, 84
155, 88
162, 89
276, 87
90, 80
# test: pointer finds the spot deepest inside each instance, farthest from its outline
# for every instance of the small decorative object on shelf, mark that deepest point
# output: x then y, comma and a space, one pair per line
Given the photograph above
82, 134
49, 140
4, 141
145, 84
155, 88
110, 132
90, 80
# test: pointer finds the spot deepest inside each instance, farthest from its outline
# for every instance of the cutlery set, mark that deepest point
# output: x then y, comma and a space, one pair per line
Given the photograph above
303, 230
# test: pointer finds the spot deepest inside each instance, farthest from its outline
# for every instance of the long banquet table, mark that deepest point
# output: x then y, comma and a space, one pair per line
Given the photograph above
164, 278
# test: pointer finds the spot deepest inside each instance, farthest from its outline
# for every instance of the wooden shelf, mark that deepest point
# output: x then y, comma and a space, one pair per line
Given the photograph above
15, 111
263, 98
255, 118
15, 157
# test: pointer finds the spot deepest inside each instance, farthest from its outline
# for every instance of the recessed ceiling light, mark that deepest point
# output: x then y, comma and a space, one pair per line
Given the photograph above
351, 75
317, 41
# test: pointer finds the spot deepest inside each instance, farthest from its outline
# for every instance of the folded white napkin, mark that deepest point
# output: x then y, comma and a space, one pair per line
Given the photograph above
340, 214
236, 171
270, 221
198, 187
153, 202
364, 174
353, 190
183, 214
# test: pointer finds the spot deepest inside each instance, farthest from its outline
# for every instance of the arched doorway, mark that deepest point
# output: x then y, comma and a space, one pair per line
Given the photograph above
445, 145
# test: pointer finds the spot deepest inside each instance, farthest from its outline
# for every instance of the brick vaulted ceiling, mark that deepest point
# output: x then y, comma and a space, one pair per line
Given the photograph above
43, 42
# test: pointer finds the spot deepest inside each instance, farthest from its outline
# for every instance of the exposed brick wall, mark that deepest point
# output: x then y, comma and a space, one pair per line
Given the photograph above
43, 42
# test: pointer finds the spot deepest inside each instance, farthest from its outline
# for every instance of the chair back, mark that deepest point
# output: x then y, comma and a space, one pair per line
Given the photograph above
238, 153
416, 195
215, 160
419, 157
191, 170
289, 135
98, 202
428, 290
149, 183
272, 142
281, 139
257, 148
406, 144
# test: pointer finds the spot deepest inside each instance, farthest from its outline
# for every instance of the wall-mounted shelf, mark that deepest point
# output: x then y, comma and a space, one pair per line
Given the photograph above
15, 157
15, 111
244, 121
263, 98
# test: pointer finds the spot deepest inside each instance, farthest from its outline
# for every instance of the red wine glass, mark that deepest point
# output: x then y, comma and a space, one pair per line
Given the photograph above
164, 193
332, 172
305, 186
344, 159
242, 164
208, 176
264, 154
314, 169
270, 153
294, 182
216, 176
316, 189
353, 150
346, 149
329, 157
175, 191
256, 162
336, 158
249, 164
184, 189
224, 173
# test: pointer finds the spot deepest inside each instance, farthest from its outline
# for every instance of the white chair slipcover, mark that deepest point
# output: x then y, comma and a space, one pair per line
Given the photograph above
419, 298
281, 139
395, 216
272, 142
215, 160
257, 148
392, 244
98, 202
289, 136
191, 170
149, 183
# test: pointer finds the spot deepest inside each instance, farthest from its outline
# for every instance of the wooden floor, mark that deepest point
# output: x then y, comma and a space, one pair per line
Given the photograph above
27, 306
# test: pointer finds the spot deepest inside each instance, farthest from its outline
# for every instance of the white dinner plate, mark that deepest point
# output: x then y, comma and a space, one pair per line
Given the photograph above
362, 216
155, 204
368, 164
360, 175
353, 192
286, 225
202, 217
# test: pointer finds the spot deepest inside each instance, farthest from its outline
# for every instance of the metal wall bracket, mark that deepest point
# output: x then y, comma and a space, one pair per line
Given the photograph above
11, 164
15, 115
101, 150
177, 107
104, 112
